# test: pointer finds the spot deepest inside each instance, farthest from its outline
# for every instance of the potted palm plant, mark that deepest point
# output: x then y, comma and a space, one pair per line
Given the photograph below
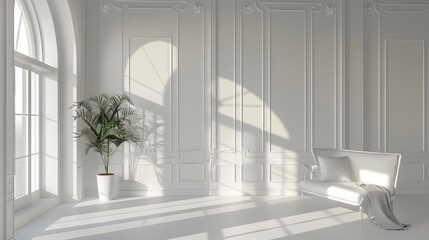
108, 122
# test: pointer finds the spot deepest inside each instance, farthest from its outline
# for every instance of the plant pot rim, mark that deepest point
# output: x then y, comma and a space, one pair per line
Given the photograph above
105, 174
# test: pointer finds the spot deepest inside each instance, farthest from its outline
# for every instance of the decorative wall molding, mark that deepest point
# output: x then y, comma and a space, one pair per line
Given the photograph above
320, 17
105, 7
386, 37
252, 6
152, 4
375, 7
326, 8
372, 7
404, 7
195, 7
379, 9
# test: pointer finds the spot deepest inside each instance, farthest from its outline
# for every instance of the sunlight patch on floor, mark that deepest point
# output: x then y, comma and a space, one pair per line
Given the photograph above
198, 236
86, 232
140, 212
296, 224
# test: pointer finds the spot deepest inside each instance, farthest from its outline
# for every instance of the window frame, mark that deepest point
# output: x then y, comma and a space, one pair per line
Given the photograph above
32, 64
31, 196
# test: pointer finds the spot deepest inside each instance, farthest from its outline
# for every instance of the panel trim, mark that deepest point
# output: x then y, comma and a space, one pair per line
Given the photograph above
402, 7
151, 4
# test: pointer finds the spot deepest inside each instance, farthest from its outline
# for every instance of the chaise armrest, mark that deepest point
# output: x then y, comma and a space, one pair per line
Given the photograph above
310, 171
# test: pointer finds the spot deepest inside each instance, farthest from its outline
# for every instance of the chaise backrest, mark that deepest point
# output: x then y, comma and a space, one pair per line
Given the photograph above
367, 167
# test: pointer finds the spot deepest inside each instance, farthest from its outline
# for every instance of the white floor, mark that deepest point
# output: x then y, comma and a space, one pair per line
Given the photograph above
221, 217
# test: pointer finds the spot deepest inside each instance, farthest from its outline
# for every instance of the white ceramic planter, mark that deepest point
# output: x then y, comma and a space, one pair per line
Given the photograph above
105, 185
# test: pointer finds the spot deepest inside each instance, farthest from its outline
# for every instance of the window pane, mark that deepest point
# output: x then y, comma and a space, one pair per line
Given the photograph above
21, 177
17, 21
21, 136
34, 172
24, 44
34, 93
21, 90
34, 134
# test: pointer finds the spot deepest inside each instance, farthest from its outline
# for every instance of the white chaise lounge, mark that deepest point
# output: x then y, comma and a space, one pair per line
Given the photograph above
336, 174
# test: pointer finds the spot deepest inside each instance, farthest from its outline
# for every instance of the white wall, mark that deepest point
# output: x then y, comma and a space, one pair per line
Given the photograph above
6, 111
395, 76
69, 167
259, 84
77, 8
3, 18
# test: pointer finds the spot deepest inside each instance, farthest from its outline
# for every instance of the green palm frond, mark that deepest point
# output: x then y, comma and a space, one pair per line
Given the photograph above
109, 122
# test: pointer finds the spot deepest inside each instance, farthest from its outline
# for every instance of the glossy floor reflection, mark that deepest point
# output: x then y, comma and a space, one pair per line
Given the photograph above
221, 217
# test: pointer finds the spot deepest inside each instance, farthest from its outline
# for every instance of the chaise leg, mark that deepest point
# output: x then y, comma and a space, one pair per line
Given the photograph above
301, 199
361, 216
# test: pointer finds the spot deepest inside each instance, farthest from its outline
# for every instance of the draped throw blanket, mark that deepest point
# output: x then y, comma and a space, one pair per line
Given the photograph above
379, 208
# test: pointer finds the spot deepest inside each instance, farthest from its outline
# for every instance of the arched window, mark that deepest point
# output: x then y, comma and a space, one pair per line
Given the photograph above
29, 72
26, 30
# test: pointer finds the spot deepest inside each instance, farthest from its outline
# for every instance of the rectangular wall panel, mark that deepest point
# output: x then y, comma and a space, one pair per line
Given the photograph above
412, 172
225, 173
151, 173
287, 88
226, 81
405, 98
286, 173
252, 74
189, 172
191, 82
111, 59
252, 172
324, 80
150, 76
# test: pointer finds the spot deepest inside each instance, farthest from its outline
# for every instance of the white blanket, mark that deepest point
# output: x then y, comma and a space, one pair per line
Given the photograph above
379, 208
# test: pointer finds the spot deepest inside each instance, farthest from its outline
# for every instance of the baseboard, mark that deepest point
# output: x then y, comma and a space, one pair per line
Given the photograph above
201, 192
137, 193
412, 191
70, 199
253, 192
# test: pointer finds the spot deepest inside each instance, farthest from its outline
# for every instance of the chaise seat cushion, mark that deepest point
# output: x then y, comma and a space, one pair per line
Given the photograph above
347, 192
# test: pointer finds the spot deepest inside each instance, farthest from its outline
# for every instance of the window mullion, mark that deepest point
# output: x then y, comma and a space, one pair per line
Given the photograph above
40, 138
29, 122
